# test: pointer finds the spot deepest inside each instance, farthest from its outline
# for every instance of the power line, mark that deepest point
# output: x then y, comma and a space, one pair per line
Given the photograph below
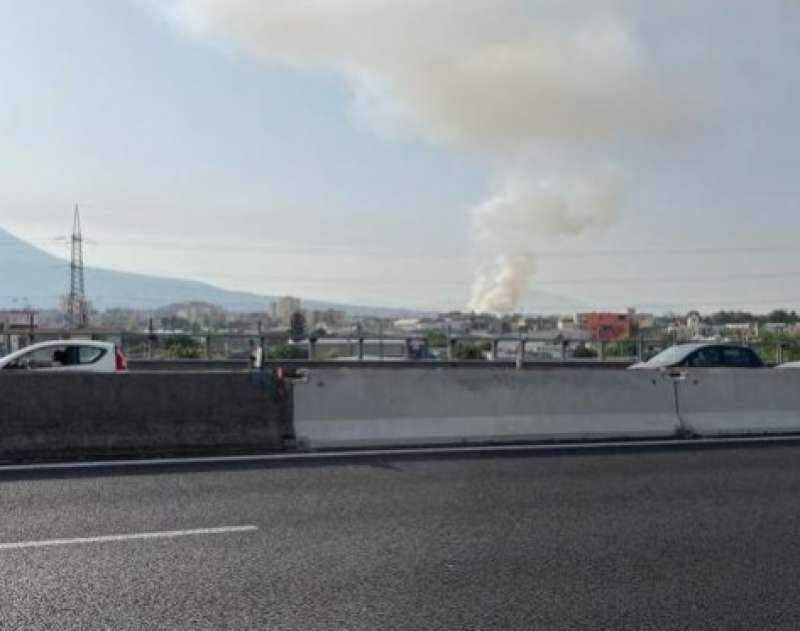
350, 250
557, 307
358, 280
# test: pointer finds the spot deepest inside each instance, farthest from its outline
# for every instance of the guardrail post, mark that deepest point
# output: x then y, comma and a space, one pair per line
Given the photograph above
312, 347
495, 349
361, 349
150, 338
208, 347
602, 350
408, 348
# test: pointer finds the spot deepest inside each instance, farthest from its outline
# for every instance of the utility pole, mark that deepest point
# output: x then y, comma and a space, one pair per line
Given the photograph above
77, 311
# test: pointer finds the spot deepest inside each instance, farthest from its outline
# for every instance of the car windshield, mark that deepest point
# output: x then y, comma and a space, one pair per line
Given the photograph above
671, 356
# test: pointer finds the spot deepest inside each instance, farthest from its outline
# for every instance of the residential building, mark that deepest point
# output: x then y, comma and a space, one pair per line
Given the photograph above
18, 319
284, 307
605, 326
330, 317
408, 325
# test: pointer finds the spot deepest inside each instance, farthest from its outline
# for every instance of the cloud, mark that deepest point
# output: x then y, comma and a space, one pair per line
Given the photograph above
494, 75
504, 78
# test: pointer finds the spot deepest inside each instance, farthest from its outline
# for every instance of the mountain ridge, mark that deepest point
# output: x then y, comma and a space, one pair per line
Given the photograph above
35, 268
39, 279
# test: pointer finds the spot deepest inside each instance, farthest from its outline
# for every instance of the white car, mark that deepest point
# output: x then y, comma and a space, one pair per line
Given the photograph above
67, 355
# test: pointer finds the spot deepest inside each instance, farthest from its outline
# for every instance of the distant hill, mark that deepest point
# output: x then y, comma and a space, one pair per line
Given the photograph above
30, 275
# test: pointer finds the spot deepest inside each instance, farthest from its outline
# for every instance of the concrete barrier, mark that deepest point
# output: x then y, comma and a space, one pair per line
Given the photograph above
358, 407
729, 402
45, 416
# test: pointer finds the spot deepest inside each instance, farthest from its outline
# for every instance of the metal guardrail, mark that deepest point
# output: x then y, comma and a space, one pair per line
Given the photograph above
363, 346
189, 365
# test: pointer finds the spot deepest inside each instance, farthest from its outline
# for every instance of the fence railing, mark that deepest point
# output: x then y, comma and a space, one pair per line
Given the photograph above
537, 346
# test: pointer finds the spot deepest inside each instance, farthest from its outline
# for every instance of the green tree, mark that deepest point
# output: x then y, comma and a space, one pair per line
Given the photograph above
287, 351
182, 347
436, 339
768, 343
468, 351
584, 352
621, 348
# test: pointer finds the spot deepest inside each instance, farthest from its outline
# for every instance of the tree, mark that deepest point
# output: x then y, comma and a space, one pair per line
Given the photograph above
297, 326
183, 347
468, 351
768, 343
584, 352
621, 348
288, 351
436, 339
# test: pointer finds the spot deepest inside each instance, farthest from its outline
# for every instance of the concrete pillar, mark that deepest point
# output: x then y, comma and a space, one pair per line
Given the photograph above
602, 350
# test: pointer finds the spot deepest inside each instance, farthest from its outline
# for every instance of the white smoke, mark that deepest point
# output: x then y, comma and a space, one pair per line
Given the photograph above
499, 75
506, 225
501, 290
504, 77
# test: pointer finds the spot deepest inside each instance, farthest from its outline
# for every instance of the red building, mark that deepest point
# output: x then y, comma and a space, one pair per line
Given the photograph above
609, 326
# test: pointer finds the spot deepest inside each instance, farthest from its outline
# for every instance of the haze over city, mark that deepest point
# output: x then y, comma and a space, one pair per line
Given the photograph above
636, 154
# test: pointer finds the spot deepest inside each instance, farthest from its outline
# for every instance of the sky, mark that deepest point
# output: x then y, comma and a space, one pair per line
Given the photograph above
530, 155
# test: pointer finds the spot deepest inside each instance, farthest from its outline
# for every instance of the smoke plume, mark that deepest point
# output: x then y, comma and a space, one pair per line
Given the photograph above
505, 78
505, 225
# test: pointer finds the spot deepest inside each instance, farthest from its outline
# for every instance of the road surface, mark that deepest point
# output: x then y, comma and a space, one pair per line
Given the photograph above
680, 539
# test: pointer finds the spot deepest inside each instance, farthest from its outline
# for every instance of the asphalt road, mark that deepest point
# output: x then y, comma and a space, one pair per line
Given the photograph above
642, 540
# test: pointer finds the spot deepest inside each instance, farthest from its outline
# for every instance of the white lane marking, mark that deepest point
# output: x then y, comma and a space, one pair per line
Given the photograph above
127, 537
398, 451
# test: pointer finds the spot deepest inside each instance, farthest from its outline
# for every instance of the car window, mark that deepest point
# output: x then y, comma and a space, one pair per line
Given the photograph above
89, 354
49, 357
736, 358
705, 358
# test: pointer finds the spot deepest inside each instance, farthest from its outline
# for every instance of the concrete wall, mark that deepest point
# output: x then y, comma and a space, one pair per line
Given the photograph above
725, 402
356, 407
91, 415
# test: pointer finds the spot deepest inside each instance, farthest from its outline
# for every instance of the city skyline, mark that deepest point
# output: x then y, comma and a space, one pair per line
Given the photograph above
196, 152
